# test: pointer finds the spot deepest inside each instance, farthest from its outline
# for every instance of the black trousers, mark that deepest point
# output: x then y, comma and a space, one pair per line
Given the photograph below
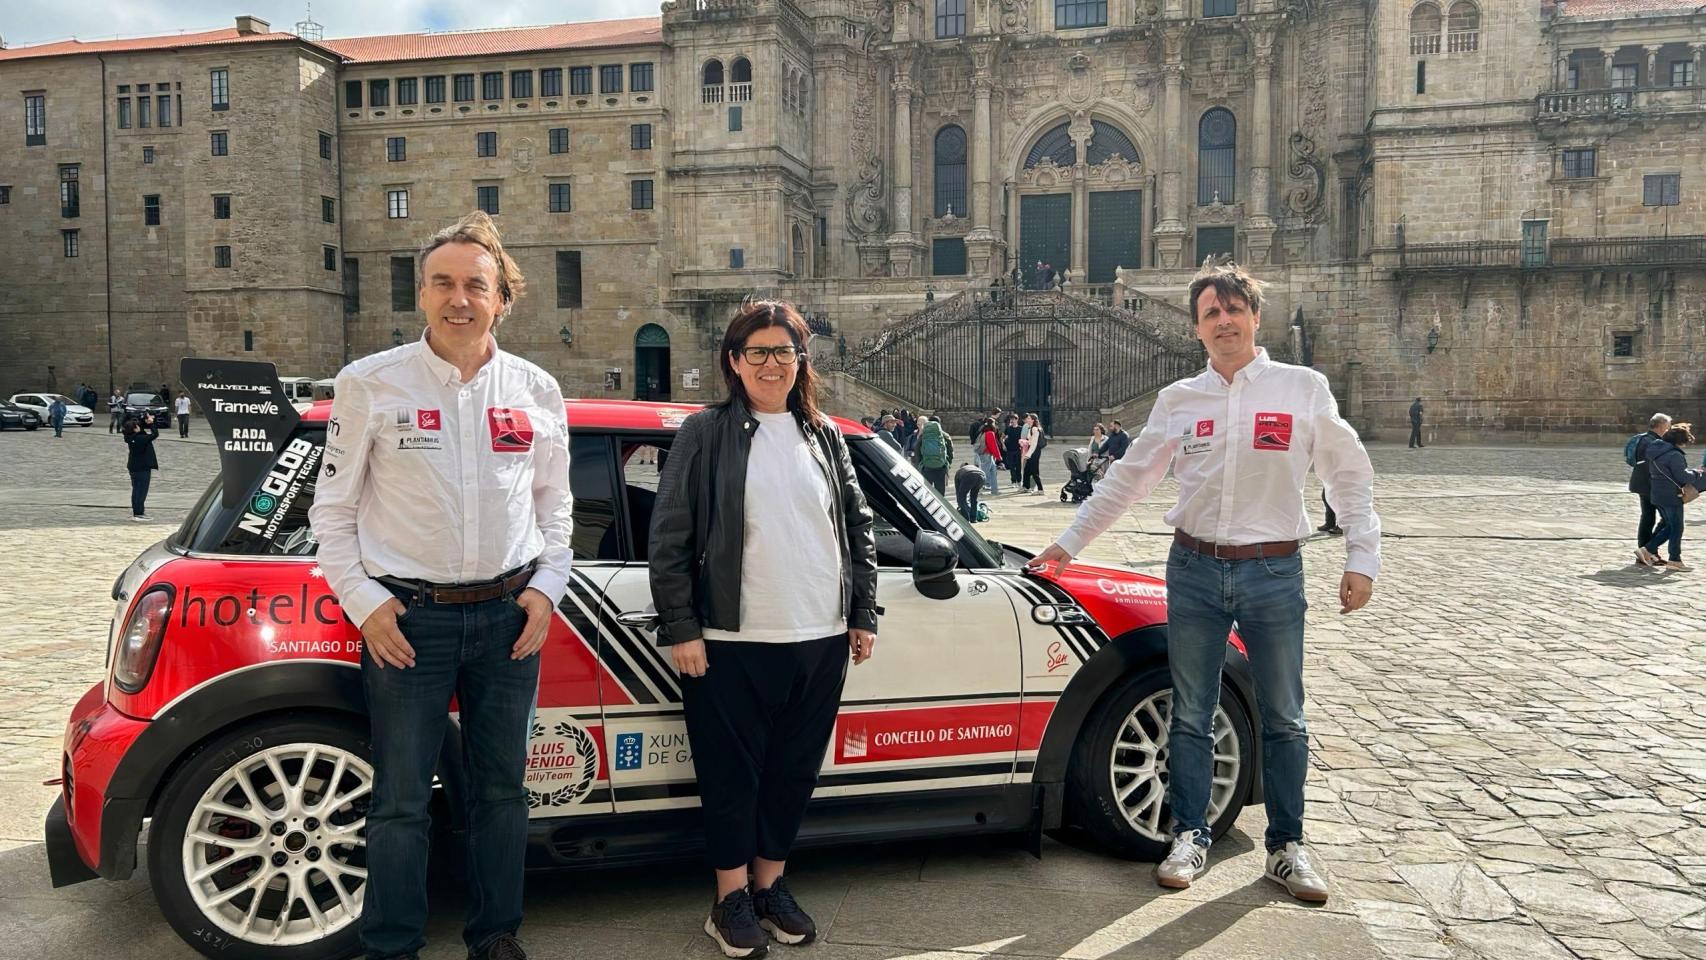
1033, 475
1649, 519
965, 495
184, 425
937, 477
758, 721
139, 481
1332, 518
1416, 434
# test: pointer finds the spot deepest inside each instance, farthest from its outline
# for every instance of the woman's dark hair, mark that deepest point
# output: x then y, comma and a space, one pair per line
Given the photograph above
1679, 434
753, 317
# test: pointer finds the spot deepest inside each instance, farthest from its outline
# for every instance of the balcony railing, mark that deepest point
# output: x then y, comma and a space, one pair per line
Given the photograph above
1568, 253
1586, 102
1423, 45
740, 92
711, 93
1463, 41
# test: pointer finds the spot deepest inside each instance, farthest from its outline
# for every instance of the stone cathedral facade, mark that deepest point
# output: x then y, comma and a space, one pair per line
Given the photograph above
1492, 204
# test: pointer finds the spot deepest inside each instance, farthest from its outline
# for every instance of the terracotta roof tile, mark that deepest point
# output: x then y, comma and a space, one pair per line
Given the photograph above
1618, 9
170, 42
479, 43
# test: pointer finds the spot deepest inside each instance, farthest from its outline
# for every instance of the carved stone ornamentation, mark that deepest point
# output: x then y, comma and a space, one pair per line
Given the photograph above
1115, 171
1015, 16
1046, 174
1218, 214
1080, 85
1306, 198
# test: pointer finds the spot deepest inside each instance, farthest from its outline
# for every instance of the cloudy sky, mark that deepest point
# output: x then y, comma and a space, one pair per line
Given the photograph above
24, 22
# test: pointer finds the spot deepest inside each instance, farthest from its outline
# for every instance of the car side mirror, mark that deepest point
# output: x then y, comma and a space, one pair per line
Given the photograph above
934, 561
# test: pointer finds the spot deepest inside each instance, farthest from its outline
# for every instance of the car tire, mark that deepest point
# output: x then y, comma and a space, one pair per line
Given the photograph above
34, 428
228, 773
1140, 830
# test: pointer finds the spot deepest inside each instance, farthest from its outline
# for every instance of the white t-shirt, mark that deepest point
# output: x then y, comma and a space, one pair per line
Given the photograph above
790, 579
183, 406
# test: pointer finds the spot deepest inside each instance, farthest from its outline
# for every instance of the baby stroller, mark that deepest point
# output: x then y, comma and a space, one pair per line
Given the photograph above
1085, 470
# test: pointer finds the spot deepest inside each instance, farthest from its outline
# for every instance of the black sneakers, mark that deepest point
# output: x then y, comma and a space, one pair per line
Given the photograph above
780, 913
734, 926
502, 947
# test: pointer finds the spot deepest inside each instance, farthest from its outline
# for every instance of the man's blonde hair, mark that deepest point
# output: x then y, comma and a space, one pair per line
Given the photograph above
477, 228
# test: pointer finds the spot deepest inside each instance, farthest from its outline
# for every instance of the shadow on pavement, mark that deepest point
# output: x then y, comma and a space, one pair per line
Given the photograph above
1632, 576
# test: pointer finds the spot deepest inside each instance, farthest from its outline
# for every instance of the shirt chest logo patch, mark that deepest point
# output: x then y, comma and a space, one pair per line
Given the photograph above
512, 430
1205, 428
428, 419
1273, 431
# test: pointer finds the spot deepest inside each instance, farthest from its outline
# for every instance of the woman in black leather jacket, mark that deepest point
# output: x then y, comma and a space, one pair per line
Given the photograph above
764, 576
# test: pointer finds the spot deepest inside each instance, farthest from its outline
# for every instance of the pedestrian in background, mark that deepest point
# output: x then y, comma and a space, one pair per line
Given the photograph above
139, 437
1098, 440
115, 412
1671, 476
1033, 478
764, 576
885, 431
934, 452
56, 416
1330, 526
968, 483
183, 411
1011, 436
989, 456
1416, 425
1118, 442
1641, 480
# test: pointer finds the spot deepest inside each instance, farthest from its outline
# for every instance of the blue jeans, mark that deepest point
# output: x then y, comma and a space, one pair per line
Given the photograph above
1670, 528
1264, 597
991, 478
461, 650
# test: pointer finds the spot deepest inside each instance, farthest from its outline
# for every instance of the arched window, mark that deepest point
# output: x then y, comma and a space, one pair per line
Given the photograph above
740, 70
1108, 141
1463, 28
1217, 156
1056, 145
1424, 29
799, 243
950, 192
711, 80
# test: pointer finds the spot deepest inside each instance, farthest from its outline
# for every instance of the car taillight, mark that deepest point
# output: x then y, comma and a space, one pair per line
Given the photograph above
139, 642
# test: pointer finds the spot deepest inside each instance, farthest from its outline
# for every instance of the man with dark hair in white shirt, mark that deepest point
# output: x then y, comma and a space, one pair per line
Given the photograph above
443, 514
1240, 437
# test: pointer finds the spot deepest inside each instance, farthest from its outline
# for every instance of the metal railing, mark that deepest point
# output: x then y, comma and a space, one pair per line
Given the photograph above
1064, 356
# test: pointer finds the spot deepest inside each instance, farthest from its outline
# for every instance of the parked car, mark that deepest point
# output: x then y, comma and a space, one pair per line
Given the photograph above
299, 391
12, 415
76, 415
231, 719
141, 402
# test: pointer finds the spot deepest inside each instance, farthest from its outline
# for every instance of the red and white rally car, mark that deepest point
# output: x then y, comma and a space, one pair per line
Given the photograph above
231, 720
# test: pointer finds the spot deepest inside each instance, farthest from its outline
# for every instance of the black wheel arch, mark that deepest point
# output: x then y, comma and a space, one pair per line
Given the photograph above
285, 689
1132, 651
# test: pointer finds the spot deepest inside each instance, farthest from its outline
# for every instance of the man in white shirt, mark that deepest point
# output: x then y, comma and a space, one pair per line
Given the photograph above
443, 514
182, 405
1240, 437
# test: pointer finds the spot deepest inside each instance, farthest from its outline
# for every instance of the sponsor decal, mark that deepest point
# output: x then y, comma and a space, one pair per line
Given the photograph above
904, 734
1134, 590
1193, 447
256, 408
403, 420
628, 752
1273, 431
330, 471
333, 427
1205, 428
248, 414
299, 608
427, 419
1056, 656
512, 430
280, 488
915, 485
562, 763
415, 441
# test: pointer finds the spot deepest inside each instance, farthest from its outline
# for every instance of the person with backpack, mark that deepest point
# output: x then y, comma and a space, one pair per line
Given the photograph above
1640, 481
934, 452
1673, 485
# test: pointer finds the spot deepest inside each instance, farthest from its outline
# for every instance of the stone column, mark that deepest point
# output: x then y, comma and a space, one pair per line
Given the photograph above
1170, 232
1607, 55
903, 244
1080, 131
1259, 229
1652, 66
981, 242
1698, 49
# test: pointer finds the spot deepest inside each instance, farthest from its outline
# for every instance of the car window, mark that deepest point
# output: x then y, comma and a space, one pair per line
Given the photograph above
61, 396
642, 460
884, 474
592, 481
143, 399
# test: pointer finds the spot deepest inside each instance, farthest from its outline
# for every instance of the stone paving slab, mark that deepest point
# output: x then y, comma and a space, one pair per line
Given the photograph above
1508, 747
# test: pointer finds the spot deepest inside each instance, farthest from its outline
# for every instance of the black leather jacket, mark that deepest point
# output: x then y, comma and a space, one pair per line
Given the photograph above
698, 536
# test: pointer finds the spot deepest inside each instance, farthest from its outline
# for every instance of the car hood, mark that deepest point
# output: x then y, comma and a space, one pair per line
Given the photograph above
1120, 598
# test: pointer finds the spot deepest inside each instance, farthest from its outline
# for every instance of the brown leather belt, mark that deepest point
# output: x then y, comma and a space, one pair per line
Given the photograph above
503, 585
1242, 551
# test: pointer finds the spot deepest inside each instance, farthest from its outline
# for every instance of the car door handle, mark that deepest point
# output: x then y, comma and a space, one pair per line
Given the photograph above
638, 620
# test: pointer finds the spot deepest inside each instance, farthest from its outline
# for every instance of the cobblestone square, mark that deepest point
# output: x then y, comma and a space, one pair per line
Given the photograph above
1508, 746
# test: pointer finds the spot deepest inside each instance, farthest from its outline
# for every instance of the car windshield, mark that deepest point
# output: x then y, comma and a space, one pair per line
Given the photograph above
897, 468
60, 396
144, 400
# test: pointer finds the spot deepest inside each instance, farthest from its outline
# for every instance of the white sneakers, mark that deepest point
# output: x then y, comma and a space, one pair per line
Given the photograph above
1185, 862
1291, 867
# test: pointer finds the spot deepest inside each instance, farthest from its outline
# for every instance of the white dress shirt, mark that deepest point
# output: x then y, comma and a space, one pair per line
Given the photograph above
1240, 451
430, 478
